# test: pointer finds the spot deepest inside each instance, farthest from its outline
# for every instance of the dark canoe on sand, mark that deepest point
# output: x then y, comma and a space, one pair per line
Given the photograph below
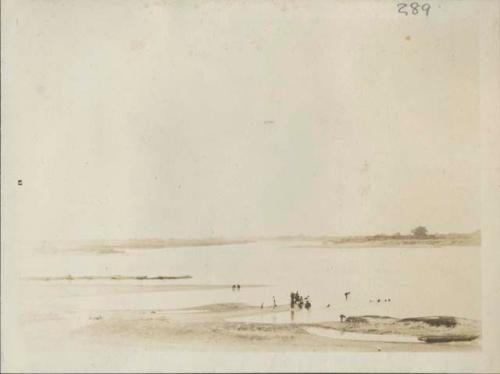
448, 338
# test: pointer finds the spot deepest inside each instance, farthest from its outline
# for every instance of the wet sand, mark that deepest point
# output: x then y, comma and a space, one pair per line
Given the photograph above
208, 328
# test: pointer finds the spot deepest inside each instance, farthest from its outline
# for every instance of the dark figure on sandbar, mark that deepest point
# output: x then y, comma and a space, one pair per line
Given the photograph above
342, 318
346, 294
262, 306
234, 287
238, 287
274, 302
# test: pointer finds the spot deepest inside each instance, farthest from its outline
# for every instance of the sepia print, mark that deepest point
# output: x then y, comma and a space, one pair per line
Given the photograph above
236, 186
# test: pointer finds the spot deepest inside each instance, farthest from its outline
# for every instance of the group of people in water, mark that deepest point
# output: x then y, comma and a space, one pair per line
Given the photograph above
379, 300
304, 302
301, 302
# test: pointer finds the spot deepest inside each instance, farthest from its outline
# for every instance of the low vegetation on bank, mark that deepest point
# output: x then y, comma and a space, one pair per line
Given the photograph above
433, 329
396, 240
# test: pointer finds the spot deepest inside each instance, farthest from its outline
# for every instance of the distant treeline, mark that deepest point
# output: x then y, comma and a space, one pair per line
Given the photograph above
472, 239
419, 236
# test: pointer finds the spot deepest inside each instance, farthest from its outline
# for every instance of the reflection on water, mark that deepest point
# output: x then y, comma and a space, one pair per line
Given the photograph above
292, 316
346, 335
289, 316
418, 281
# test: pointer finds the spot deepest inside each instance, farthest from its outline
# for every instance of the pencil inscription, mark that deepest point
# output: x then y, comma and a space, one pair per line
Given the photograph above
414, 8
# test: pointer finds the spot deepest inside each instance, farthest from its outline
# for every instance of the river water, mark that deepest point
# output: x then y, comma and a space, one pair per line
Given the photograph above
418, 281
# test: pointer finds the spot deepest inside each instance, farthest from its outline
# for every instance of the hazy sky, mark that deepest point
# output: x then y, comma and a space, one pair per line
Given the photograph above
131, 119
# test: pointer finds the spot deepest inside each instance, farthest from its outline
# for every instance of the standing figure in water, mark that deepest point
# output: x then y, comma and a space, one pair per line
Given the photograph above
292, 300
346, 294
308, 304
301, 302
274, 302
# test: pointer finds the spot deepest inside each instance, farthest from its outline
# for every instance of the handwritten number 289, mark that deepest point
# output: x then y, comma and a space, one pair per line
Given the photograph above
413, 8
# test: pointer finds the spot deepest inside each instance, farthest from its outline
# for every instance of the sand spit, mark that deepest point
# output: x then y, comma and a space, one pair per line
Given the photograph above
112, 277
208, 328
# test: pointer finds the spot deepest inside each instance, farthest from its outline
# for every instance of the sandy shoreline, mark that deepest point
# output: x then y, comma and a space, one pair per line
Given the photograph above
208, 328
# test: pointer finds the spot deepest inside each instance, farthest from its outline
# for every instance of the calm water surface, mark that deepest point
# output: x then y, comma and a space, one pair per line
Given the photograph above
419, 281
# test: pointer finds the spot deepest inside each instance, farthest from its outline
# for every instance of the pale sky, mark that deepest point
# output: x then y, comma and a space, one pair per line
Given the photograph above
137, 119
